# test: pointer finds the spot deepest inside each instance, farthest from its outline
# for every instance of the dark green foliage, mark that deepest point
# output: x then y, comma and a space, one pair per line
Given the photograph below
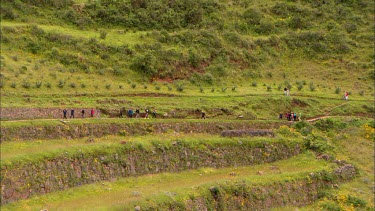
330, 124
145, 64
317, 143
356, 202
180, 87
269, 88
254, 84
103, 34
38, 84
312, 86
300, 87
201, 89
61, 83
108, 86
337, 90
303, 127
83, 86
133, 85
72, 85
13, 85
26, 84
252, 16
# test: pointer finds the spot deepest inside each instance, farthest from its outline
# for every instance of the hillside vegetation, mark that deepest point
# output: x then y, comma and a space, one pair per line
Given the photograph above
110, 46
226, 60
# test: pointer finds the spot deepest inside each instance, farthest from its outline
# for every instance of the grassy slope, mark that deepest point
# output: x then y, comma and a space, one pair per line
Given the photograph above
130, 191
349, 71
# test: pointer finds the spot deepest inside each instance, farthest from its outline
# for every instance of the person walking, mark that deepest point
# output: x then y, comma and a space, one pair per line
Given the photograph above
83, 113
280, 116
146, 115
346, 96
92, 112
98, 113
72, 113
154, 114
203, 115
137, 113
65, 112
120, 116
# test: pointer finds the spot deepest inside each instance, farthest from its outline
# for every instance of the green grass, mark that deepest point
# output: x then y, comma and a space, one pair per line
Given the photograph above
22, 152
130, 191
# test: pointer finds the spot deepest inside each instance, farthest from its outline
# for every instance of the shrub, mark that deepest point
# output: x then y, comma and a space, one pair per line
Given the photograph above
103, 34
118, 72
61, 83
169, 88
312, 86
201, 89
180, 87
108, 86
300, 87
362, 93
145, 86
269, 74
303, 127
252, 16
15, 58
329, 124
13, 85
48, 85
96, 86
269, 88
38, 84
102, 72
254, 84
223, 89
234, 88
157, 87
356, 202
337, 90
279, 87
83, 86
212, 89
72, 85
26, 84
120, 86
317, 143
133, 85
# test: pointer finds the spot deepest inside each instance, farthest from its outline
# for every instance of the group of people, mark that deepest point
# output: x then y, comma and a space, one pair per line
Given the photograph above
130, 113
290, 116
72, 113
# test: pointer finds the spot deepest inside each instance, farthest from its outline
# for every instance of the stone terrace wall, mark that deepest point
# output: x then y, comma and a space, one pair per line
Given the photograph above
39, 113
65, 171
71, 131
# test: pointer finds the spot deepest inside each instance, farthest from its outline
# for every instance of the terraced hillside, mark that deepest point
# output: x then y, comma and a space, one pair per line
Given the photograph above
180, 59
179, 169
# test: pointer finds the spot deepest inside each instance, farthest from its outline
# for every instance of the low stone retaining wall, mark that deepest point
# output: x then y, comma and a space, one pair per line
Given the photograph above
135, 128
23, 180
244, 195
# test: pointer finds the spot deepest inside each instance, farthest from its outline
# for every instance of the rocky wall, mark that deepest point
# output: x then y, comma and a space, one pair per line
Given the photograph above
70, 131
21, 181
244, 195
